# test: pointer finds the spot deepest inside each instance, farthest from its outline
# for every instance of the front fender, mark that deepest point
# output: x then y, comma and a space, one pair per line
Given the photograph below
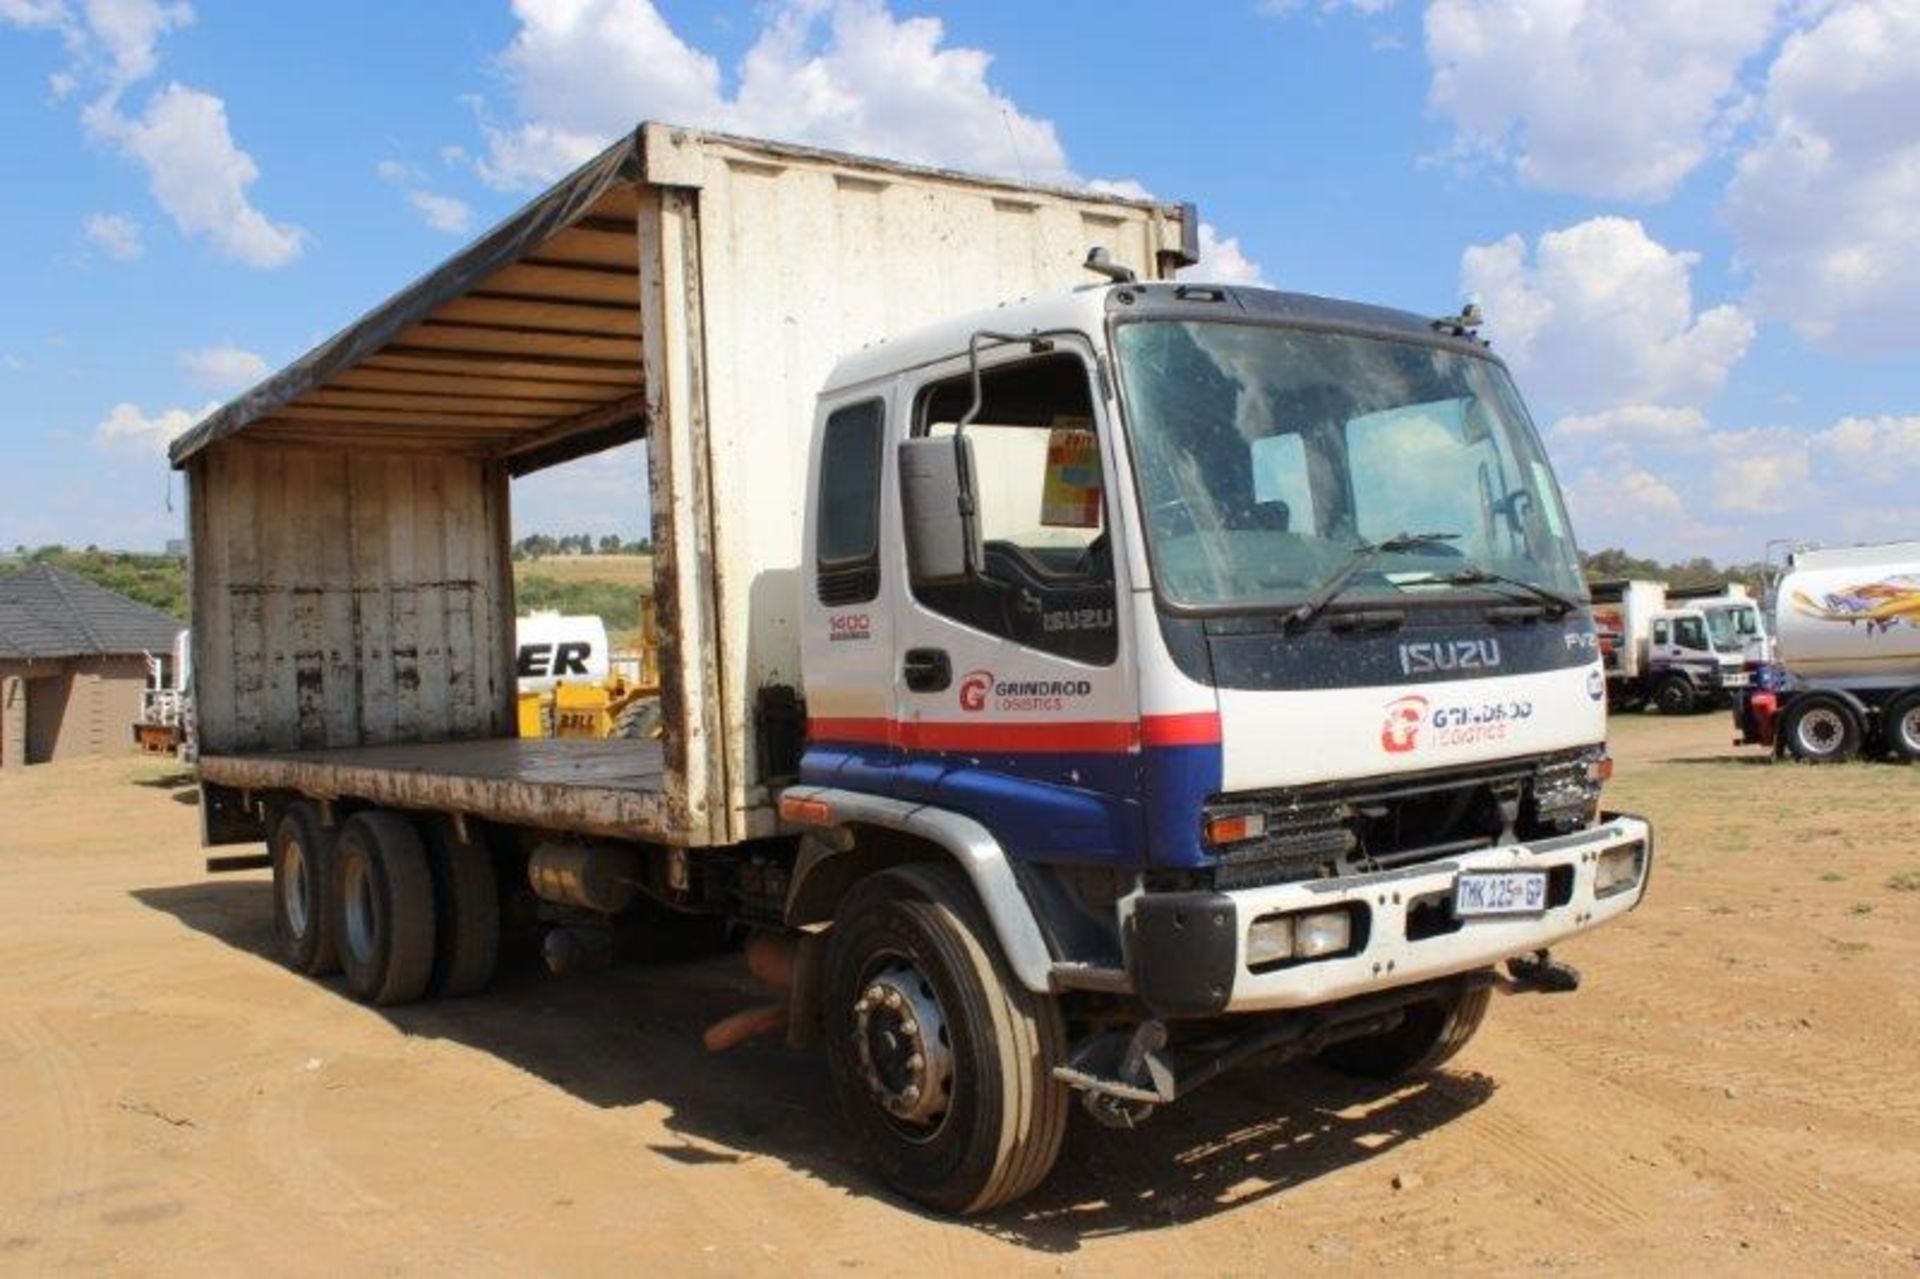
971, 846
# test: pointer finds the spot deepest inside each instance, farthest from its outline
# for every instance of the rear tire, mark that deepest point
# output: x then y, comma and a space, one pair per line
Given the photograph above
1900, 725
303, 899
466, 910
385, 917
1675, 695
1428, 1035
980, 1120
1820, 728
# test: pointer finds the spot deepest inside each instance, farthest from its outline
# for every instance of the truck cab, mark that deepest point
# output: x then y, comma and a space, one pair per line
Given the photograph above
1238, 637
1697, 657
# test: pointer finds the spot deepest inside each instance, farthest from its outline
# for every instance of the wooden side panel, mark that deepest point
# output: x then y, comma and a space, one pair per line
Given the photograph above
348, 598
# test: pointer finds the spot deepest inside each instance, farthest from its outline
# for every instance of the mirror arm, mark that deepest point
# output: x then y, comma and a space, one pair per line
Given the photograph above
1037, 344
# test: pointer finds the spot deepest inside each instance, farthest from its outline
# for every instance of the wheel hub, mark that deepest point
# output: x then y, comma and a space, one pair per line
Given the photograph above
1820, 730
905, 1051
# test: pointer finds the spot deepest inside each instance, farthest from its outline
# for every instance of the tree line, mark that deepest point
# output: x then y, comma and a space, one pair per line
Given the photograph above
540, 545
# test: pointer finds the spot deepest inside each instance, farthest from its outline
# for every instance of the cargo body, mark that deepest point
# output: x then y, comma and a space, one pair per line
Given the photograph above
1847, 628
352, 581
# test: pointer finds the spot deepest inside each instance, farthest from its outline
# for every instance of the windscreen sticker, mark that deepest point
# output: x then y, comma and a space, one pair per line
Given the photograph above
1071, 496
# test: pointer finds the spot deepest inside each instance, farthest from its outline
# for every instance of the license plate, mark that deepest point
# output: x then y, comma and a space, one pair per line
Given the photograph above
1510, 892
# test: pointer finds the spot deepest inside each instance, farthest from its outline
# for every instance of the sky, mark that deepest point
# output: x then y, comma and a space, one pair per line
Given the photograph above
1693, 226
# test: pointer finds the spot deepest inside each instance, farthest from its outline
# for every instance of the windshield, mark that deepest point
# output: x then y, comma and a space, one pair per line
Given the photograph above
1267, 456
1734, 625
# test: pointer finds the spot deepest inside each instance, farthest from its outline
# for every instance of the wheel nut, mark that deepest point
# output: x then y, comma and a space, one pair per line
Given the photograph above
916, 1063
910, 1094
909, 1027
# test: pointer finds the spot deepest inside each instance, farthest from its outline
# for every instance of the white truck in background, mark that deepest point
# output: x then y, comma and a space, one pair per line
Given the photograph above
1681, 659
1847, 622
1094, 683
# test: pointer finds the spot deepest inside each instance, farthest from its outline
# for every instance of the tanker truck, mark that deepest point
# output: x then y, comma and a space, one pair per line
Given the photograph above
1847, 630
1088, 680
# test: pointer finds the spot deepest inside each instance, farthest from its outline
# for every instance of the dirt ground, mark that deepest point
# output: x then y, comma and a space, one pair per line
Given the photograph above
1736, 1089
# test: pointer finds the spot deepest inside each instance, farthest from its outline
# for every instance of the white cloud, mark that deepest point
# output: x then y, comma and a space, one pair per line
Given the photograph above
442, 212
128, 33
1875, 450
126, 426
844, 74
223, 368
395, 171
1632, 423
31, 14
199, 175
196, 172
1614, 98
1823, 204
114, 234
1763, 472
1609, 498
1599, 314
1222, 261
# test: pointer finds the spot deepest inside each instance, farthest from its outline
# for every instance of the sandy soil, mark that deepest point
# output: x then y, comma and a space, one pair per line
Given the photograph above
1737, 1088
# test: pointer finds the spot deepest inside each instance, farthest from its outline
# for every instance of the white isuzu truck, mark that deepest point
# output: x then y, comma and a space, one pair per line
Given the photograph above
1099, 681
1681, 654
1847, 621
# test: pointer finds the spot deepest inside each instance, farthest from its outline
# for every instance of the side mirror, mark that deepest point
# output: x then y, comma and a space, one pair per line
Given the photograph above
936, 499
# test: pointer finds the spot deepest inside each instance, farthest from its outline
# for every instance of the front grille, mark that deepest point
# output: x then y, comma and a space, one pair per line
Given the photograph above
1371, 824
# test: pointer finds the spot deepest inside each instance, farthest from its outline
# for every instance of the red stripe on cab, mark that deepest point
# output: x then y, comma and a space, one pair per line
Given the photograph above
1014, 738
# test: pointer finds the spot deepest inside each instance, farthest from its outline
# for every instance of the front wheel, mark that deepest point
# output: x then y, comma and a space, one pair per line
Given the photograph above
1429, 1034
1675, 695
942, 1061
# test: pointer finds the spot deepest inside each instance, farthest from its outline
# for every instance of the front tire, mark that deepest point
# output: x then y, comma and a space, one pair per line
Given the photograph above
942, 1061
1675, 695
1820, 728
303, 902
386, 925
1428, 1035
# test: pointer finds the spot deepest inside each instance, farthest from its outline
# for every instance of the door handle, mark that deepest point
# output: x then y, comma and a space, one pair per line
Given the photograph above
926, 670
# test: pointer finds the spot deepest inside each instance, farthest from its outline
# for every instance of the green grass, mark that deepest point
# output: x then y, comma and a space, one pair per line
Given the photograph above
1907, 881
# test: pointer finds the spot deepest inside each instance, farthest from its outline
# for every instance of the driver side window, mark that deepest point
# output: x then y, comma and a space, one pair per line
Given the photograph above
1040, 489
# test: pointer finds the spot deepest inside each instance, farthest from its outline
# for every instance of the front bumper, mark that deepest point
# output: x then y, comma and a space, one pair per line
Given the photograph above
1187, 952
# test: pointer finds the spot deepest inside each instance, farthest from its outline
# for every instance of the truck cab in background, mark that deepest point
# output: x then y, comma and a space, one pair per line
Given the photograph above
1680, 659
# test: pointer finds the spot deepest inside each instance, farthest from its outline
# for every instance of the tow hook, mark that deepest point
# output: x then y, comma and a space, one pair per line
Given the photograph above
1541, 972
1144, 1081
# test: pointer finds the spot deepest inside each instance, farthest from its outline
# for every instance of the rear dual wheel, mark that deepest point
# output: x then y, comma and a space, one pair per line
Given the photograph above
301, 853
415, 909
1820, 728
1901, 722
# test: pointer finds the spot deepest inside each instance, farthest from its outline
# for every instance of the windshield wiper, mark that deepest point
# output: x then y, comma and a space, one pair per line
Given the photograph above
1474, 575
1363, 555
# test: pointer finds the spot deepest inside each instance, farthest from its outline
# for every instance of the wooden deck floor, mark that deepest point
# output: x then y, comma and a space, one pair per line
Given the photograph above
614, 788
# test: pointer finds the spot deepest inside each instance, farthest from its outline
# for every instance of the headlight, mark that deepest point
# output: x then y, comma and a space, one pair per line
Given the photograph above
1274, 939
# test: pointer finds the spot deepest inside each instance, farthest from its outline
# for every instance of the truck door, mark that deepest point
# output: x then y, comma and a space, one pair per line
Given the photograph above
847, 649
1013, 697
